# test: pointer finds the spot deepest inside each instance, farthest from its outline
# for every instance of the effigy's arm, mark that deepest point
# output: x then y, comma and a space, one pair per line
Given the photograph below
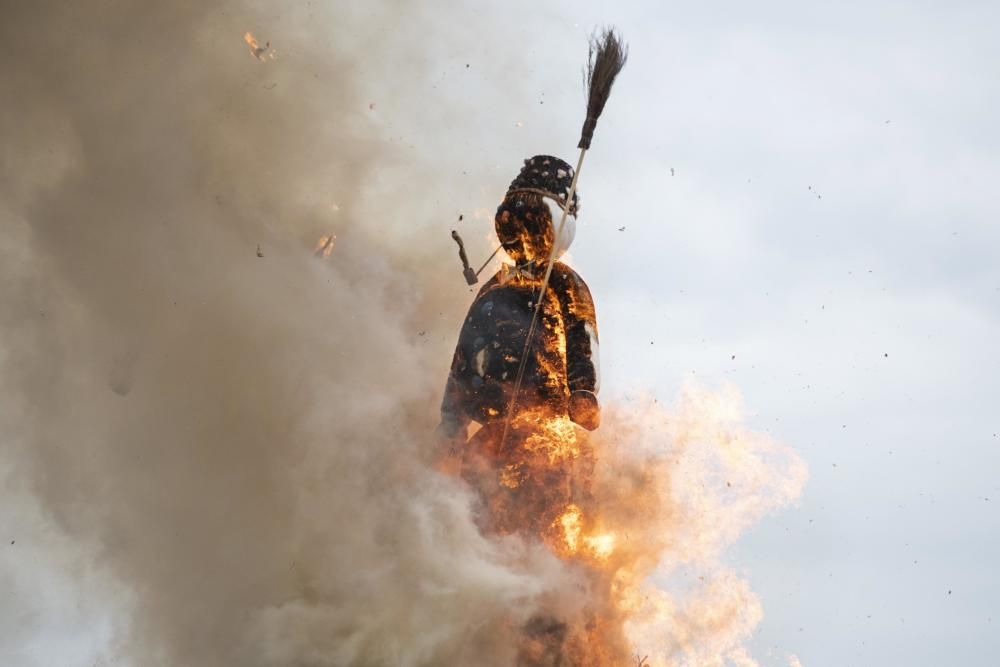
582, 361
453, 418
455, 403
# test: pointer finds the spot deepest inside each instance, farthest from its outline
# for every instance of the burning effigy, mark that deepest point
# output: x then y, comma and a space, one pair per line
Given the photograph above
519, 424
526, 371
530, 394
532, 389
525, 368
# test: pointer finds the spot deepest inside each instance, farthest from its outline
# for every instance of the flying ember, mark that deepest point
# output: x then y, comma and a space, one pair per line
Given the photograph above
261, 53
324, 246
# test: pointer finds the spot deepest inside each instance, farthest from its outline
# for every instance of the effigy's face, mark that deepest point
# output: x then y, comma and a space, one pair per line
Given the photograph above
524, 227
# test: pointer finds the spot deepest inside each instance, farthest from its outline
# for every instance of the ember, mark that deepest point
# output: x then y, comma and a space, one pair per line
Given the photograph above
261, 53
324, 247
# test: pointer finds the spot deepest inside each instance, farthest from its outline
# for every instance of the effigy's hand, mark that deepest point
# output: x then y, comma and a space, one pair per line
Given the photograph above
584, 409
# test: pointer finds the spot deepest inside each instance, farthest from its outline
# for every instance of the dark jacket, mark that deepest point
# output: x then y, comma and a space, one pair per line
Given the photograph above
562, 357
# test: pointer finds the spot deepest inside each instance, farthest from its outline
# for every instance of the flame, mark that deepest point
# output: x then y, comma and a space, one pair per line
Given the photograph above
653, 492
599, 546
555, 439
570, 521
602, 546
324, 246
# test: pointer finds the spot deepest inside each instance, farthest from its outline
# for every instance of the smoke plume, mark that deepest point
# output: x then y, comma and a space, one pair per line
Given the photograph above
233, 437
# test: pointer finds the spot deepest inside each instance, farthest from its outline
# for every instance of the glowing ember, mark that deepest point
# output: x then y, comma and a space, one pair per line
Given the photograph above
261, 53
645, 494
324, 247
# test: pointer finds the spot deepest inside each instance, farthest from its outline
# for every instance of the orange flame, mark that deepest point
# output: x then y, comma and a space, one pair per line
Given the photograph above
261, 53
647, 493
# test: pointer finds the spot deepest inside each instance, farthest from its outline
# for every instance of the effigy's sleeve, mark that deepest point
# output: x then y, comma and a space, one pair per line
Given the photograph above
453, 418
456, 404
579, 316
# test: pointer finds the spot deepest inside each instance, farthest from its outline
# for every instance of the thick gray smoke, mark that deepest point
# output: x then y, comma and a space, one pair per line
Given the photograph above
214, 443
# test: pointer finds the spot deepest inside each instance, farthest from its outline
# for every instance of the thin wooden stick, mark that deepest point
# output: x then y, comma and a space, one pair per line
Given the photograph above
488, 260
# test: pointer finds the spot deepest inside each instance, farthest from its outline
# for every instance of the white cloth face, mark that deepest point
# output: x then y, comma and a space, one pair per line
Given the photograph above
564, 240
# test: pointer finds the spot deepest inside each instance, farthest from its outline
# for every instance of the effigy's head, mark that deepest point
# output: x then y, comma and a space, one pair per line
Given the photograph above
527, 220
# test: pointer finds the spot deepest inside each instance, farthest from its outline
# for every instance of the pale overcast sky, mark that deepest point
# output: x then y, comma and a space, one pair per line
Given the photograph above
833, 221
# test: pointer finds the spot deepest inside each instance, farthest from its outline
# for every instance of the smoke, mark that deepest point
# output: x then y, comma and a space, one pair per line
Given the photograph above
219, 453
216, 448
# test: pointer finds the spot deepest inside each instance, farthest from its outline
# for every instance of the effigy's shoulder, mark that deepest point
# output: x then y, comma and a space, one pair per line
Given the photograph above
489, 285
564, 275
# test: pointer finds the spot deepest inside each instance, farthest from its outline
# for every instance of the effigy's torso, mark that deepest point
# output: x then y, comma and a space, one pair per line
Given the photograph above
491, 345
492, 342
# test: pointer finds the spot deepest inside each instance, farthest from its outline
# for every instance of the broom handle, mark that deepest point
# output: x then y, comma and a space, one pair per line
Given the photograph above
538, 304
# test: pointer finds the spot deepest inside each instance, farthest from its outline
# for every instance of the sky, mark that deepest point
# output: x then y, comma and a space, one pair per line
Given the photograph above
795, 198
826, 240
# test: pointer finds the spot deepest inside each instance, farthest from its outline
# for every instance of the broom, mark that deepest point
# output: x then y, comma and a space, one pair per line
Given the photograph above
605, 60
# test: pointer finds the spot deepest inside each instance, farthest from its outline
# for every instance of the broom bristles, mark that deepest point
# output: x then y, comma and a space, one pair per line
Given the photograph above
608, 54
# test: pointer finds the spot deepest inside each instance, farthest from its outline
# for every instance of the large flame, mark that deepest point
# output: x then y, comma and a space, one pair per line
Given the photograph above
630, 507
